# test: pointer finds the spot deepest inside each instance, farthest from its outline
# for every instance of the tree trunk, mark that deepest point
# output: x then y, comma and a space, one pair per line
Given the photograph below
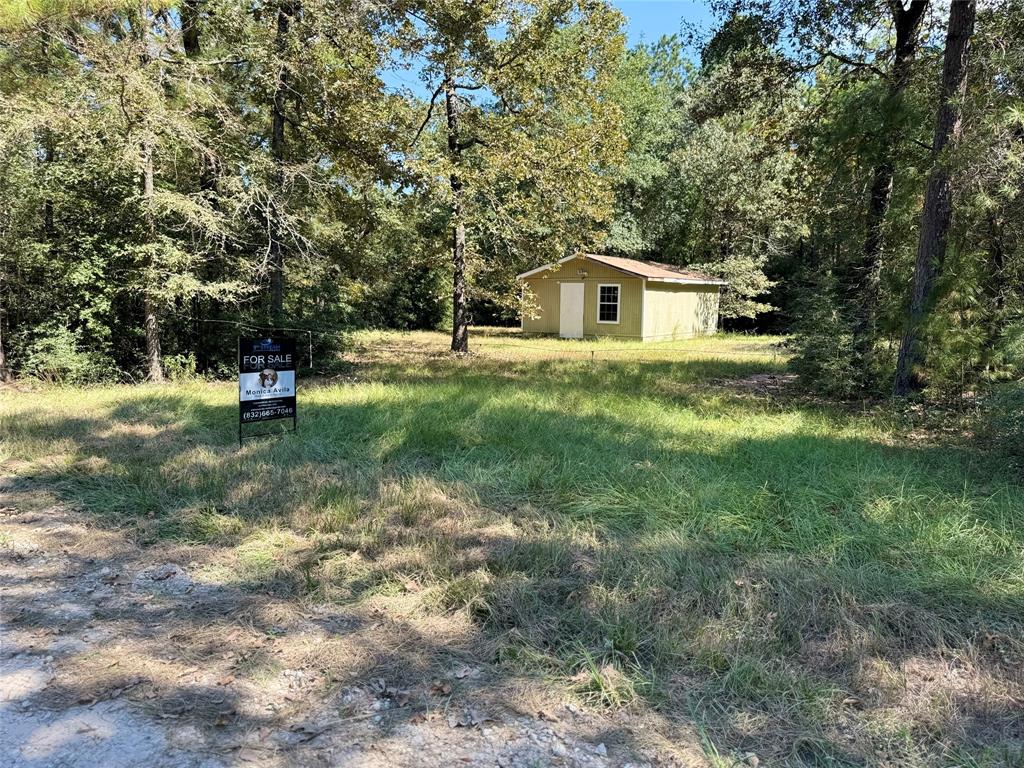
48, 154
154, 358
996, 285
997, 266
867, 276
192, 45
277, 153
460, 308
5, 372
46, 140
938, 200
150, 307
190, 27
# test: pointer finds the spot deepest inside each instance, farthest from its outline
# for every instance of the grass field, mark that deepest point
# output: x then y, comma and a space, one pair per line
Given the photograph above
668, 529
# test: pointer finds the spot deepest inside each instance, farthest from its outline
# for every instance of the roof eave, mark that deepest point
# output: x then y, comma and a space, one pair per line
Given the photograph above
687, 281
583, 256
546, 267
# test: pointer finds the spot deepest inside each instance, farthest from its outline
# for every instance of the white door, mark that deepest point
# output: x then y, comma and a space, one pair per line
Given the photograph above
570, 311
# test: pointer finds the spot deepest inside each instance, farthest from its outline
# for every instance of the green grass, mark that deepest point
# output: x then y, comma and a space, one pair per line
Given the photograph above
641, 523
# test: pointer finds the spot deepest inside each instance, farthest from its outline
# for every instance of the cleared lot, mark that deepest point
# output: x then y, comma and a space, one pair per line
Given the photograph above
702, 564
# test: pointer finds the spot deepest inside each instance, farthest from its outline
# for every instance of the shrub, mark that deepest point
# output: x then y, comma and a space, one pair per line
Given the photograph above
181, 367
1010, 348
56, 356
824, 358
1005, 420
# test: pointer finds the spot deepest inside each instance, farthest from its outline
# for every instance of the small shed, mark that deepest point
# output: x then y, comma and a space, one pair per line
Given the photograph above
589, 294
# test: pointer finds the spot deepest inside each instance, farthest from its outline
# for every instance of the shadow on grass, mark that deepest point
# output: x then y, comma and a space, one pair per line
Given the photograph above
212, 657
726, 558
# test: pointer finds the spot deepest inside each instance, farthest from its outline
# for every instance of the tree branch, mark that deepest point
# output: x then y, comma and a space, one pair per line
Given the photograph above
430, 113
853, 63
508, 107
177, 60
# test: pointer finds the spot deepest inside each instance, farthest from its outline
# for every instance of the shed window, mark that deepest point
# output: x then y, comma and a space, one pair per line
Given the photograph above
608, 303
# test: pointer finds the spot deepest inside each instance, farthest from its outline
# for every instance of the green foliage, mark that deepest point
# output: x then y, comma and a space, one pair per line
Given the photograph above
56, 356
181, 367
824, 345
708, 180
1004, 422
646, 88
818, 145
1009, 348
754, 163
537, 138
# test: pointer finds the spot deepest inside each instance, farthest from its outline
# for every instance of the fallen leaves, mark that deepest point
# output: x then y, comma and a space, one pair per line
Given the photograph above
309, 731
440, 687
115, 579
175, 708
223, 719
400, 696
112, 692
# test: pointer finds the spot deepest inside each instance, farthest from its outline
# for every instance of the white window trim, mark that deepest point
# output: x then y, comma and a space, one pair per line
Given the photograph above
618, 303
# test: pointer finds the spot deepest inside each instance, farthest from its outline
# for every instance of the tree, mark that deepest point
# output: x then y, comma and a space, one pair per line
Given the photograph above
742, 209
865, 276
971, 335
151, 322
309, 86
938, 201
649, 88
525, 135
285, 12
718, 184
856, 140
258, 164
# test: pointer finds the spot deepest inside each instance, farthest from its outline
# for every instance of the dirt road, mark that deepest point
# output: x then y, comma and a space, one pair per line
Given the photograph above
112, 655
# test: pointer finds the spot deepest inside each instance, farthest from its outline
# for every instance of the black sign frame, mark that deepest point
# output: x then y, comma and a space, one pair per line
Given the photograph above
273, 356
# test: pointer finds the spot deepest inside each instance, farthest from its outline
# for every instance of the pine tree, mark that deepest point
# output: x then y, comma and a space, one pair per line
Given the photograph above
938, 201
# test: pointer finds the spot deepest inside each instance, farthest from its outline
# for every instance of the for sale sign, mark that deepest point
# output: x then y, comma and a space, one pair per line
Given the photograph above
266, 380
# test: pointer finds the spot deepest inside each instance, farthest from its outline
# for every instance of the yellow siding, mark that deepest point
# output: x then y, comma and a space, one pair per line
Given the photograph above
540, 314
661, 311
544, 294
543, 289
679, 311
631, 297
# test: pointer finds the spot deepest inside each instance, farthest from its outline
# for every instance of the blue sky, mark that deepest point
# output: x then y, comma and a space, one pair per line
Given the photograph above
648, 20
